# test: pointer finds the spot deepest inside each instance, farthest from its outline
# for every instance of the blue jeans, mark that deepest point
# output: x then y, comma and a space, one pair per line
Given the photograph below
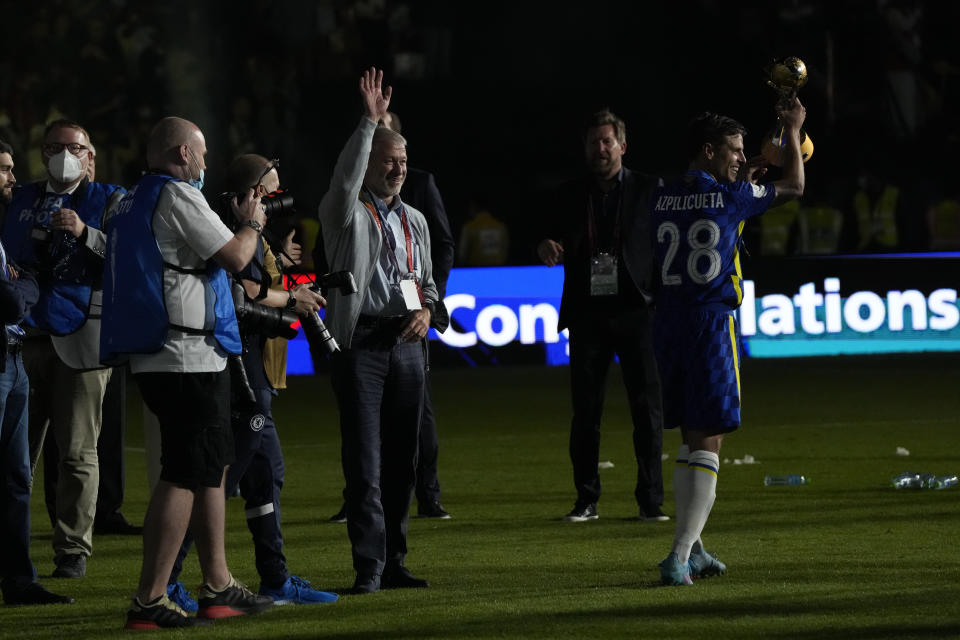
378, 383
16, 570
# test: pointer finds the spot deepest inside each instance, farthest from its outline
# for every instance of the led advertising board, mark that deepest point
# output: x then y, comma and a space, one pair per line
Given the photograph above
791, 307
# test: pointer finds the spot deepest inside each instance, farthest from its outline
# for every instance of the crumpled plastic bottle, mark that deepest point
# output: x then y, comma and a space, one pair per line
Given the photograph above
914, 480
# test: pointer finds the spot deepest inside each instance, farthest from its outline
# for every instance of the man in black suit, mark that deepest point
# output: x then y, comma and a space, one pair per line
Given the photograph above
599, 229
420, 191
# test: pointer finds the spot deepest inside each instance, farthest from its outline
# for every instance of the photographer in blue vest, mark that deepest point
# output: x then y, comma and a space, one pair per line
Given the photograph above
258, 468
54, 229
168, 311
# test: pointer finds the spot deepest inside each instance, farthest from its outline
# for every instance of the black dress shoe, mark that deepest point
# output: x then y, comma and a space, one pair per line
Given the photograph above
364, 584
117, 525
340, 516
399, 577
582, 512
34, 593
71, 566
432, 509
652, 514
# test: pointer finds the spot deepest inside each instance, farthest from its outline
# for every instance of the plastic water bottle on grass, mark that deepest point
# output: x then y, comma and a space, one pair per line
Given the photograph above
945, 482
906, 480
914, 480
791, 480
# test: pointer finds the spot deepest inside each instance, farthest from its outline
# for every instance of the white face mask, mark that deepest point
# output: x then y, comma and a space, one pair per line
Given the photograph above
65, 167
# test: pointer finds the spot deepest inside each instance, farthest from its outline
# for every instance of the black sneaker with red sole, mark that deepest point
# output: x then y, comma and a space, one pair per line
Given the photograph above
234, 600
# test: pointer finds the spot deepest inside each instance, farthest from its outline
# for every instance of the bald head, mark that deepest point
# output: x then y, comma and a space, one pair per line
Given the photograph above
177, 147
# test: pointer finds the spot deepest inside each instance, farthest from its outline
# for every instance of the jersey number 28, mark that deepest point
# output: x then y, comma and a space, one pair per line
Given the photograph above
699, 248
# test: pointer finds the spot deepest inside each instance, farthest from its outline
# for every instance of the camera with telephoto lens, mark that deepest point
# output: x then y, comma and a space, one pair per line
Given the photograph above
256, 318
318, 336
276, 204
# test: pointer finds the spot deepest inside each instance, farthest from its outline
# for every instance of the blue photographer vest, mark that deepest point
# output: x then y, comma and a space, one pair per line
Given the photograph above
135, 316
70, 273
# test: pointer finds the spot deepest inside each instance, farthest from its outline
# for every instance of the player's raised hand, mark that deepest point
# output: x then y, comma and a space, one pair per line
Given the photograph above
792, 115
376, 100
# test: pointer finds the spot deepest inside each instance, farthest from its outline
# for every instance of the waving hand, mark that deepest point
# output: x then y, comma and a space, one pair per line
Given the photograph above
376, 101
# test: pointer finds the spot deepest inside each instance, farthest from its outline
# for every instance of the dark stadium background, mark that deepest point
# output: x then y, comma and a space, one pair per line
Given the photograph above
491, 94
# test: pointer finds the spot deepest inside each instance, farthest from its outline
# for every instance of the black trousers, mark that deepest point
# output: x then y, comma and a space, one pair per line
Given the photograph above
592, 347
378, 383
428, 483
258, 471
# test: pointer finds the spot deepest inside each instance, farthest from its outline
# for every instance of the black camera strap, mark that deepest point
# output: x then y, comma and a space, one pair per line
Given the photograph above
190, 272
190, 330
186, 270
264, 280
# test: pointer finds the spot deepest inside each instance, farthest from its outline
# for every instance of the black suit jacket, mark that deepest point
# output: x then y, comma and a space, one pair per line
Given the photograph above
16, 298
569, 225
420, 192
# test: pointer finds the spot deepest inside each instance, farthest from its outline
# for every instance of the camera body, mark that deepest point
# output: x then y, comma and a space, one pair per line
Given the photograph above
276, 205
274, 322
318, 336
52, 256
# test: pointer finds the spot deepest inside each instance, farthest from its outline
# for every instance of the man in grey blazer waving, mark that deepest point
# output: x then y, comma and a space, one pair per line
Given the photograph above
378, 378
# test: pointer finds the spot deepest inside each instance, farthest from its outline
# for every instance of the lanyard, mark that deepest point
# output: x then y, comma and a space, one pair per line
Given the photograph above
406, 236
592, 231
408, 241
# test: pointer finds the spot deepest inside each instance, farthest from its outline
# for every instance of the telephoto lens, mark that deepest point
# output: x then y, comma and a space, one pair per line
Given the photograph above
253, 317
318, 337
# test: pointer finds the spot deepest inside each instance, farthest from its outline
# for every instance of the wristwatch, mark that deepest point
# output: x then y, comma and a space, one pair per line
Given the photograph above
253, 224
291, 301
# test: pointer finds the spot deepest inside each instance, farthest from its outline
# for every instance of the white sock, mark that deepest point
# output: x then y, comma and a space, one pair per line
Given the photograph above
681, 491
681, 488
702, 491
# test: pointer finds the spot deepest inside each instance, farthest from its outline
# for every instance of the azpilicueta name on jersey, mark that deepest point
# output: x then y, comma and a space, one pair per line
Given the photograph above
690, 202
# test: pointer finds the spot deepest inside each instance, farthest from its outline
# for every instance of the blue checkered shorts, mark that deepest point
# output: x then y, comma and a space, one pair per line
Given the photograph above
699, 361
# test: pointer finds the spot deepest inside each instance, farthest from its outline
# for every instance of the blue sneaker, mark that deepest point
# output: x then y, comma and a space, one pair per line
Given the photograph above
181, 597
704, 564
673, 573
297, 591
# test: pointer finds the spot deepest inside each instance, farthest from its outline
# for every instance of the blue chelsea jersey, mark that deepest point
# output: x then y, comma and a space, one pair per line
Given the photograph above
697, 223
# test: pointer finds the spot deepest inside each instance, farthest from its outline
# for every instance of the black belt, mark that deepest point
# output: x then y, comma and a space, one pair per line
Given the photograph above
381, 322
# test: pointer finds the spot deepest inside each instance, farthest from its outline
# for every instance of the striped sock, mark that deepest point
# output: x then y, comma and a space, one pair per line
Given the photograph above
702, 488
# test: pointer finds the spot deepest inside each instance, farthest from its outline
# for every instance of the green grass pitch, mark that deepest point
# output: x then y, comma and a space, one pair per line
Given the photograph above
844, 557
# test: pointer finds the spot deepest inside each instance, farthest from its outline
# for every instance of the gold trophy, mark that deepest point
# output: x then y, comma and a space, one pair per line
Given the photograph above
785, 76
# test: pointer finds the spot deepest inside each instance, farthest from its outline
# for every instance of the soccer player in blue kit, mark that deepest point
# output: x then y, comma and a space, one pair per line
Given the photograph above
697, 221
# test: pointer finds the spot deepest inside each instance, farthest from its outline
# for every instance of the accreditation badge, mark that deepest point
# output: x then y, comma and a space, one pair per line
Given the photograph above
410, 289
603, 275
